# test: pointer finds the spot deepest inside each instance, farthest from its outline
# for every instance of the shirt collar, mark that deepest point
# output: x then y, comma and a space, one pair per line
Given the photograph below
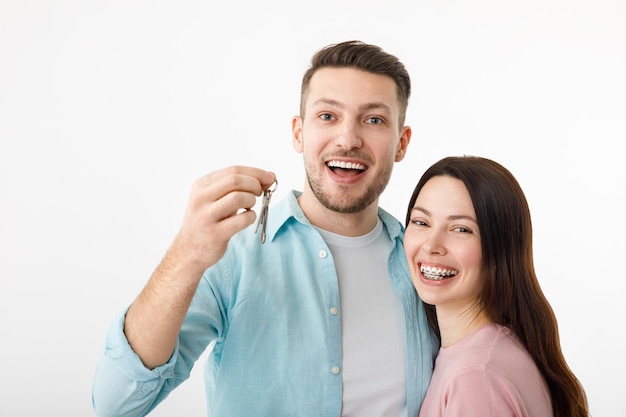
288, 208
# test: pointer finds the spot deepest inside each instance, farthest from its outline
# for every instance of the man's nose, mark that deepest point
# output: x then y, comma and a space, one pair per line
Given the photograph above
349, 135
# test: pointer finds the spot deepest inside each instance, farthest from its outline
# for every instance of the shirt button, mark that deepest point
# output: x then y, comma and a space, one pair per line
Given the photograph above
335, 370
323, 254
333, 311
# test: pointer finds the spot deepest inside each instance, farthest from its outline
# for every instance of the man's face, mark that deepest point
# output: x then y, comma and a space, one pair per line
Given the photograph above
349, 137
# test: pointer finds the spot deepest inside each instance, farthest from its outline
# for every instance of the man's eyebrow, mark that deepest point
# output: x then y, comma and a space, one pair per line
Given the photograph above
375, 106
365, 107
330, 101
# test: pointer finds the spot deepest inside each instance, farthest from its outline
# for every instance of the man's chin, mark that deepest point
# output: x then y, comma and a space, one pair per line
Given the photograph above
346, 204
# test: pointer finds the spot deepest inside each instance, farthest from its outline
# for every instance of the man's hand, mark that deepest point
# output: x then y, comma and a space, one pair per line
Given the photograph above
219, 206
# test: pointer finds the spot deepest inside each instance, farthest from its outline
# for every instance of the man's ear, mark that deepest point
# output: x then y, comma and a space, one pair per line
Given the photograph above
405, 139
296, 133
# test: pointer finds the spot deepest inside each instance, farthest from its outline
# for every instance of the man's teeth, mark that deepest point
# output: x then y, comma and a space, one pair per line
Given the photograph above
346, 165
437, 274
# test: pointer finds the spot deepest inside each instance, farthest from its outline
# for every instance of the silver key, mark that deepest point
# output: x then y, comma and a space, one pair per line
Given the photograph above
267, 194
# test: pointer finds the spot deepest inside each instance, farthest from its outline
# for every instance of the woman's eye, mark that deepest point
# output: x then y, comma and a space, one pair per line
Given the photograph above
419, 222
462, 229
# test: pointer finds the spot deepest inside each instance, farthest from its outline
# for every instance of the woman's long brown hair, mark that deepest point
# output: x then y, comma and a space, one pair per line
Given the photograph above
512, 295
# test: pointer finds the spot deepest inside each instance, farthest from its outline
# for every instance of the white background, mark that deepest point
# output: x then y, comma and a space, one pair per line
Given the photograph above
109, 110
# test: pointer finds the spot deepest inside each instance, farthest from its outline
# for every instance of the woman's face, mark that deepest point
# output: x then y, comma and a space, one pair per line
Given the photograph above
442, 245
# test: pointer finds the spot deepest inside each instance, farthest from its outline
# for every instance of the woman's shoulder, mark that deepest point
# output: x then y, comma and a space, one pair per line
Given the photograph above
491, 346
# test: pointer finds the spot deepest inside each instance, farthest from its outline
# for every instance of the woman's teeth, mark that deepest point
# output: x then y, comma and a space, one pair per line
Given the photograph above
437, 274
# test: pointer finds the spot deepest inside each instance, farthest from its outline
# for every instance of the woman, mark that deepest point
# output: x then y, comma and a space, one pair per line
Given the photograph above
468, 242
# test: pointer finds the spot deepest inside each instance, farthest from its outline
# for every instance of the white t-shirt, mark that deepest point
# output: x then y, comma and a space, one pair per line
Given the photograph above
373, 329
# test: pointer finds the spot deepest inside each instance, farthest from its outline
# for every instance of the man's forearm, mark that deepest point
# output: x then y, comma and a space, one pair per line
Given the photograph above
154, 320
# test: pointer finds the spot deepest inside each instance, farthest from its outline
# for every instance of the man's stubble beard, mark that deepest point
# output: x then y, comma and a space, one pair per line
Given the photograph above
346, 204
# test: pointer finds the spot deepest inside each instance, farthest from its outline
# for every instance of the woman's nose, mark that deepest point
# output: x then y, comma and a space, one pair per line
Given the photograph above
434, 244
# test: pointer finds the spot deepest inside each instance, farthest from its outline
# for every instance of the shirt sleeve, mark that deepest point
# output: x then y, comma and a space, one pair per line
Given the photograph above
123, 386
482, 393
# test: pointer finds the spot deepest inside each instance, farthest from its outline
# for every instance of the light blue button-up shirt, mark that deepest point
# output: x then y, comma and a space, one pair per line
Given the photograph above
273, 312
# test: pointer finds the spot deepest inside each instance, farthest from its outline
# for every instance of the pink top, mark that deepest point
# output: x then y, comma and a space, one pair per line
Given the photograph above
487, 374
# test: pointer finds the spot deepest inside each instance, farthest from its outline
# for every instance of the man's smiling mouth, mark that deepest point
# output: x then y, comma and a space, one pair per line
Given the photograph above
346, 167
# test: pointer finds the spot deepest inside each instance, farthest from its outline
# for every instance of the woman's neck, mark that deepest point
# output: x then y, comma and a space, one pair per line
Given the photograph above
456, 324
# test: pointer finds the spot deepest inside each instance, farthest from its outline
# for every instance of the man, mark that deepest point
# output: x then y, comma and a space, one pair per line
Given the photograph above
319, 320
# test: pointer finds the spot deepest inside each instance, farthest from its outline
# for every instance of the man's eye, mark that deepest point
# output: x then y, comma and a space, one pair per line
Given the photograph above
375, 120
326, 116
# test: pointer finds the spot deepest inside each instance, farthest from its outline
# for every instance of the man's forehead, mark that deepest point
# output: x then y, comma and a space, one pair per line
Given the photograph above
337, 86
